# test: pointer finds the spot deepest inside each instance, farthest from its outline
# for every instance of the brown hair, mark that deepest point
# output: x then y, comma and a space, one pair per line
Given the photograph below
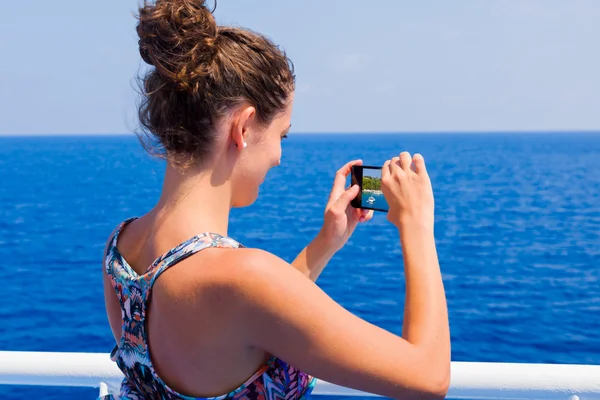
201, 71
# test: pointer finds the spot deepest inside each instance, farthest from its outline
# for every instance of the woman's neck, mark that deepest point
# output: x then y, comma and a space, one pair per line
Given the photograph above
193, 202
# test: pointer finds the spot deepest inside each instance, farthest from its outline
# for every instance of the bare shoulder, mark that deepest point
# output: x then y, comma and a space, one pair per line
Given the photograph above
250, 273
247, 266
223, 277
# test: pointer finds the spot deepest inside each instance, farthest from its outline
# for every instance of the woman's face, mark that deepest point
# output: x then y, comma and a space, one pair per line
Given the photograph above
262, 154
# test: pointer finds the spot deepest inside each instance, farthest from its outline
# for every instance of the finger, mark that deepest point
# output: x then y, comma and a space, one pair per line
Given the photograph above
360, 214
346, 197
385, 170
395, 165
367, 217
419, 163
405, 161
340, 179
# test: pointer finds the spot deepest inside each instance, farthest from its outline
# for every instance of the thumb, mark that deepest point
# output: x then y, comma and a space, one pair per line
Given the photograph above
346, 197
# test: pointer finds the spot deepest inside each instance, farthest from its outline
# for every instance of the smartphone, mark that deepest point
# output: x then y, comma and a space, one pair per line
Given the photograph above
370, 196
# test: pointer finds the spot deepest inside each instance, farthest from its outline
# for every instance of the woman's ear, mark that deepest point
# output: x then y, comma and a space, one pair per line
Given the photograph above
240, 129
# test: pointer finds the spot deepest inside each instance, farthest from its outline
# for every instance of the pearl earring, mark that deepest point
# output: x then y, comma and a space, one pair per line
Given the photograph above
245, 145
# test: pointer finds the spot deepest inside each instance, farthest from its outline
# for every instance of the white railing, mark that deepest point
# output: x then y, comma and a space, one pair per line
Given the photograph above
470, 380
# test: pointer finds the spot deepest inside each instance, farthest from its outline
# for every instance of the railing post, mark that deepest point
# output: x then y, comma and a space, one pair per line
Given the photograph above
103, 389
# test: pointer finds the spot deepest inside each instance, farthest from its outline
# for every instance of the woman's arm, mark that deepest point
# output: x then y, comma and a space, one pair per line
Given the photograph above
290, 317
339, 222
314, 258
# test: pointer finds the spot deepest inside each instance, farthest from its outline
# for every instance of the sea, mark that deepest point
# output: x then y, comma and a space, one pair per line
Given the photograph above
517, 230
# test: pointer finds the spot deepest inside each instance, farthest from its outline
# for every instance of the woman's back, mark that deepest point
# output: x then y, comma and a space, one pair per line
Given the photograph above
193, 333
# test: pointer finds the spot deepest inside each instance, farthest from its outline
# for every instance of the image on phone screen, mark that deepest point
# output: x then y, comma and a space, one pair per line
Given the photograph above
370, 196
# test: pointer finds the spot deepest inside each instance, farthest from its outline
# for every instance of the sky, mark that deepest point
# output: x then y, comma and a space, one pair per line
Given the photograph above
69, 66
372, 172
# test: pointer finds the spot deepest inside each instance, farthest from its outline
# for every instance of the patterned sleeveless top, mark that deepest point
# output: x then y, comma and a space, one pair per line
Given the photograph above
275, 380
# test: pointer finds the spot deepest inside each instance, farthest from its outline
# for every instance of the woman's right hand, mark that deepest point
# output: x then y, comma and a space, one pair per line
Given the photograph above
407, 190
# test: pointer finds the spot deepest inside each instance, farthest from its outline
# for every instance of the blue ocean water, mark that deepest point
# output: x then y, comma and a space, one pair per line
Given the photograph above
517, 227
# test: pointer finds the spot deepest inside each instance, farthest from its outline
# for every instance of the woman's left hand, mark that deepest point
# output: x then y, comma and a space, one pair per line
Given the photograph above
340, 217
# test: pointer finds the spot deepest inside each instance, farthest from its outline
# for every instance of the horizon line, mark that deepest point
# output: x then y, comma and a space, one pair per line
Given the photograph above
449, 132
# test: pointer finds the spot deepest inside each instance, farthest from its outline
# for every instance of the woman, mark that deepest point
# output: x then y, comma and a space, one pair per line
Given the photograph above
225, 321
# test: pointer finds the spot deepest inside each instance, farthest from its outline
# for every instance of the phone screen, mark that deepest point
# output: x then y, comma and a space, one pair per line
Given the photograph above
370, 196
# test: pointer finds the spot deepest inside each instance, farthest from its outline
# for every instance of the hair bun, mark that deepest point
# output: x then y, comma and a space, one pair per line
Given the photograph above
177, 37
